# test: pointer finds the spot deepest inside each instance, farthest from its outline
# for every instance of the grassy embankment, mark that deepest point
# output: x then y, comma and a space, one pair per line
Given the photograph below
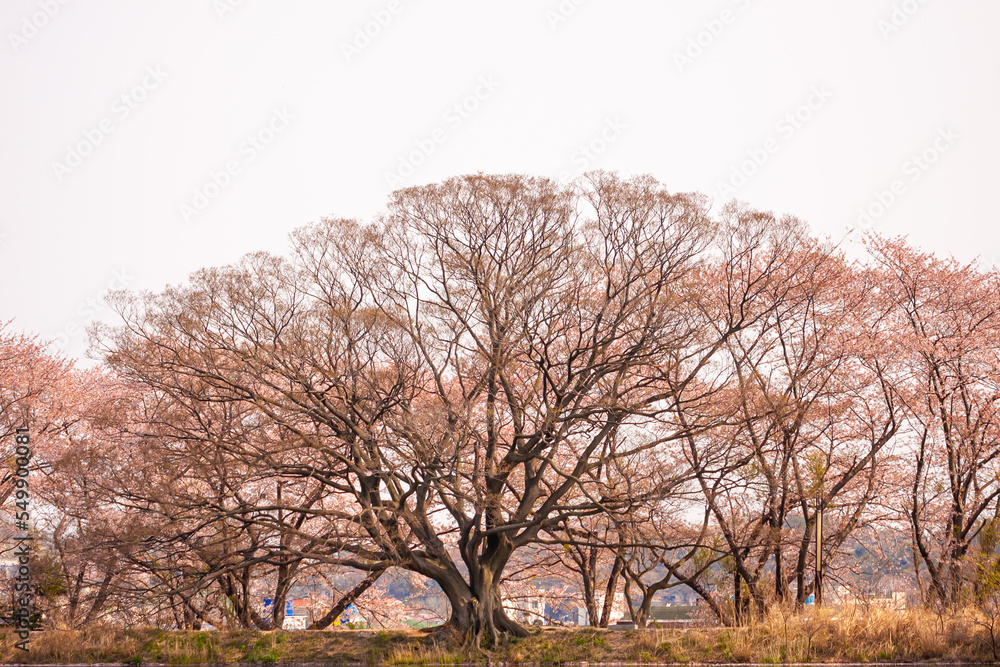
833, 635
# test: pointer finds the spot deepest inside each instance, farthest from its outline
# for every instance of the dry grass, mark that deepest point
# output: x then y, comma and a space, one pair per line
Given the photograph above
850, 634
846, 634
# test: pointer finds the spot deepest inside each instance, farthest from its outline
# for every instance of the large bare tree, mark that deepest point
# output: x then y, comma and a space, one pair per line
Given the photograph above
464, 369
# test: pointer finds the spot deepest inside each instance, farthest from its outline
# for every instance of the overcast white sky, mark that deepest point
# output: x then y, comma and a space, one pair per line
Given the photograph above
120, 119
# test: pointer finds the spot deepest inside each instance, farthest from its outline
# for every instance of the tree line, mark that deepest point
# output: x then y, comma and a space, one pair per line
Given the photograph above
601, 381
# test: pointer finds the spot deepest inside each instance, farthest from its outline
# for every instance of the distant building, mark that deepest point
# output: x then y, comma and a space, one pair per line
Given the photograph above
295, 623
887, 600
298, 613
8, 568
672, 615
527, 610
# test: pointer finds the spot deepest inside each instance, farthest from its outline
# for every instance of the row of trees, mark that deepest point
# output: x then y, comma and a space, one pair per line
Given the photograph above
601, 381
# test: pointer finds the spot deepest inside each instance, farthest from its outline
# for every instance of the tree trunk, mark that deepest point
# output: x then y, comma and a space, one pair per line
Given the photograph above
101, 598
347, 600
642, 613
737, 599
285, 575
588, 572
609, 593
477, 612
